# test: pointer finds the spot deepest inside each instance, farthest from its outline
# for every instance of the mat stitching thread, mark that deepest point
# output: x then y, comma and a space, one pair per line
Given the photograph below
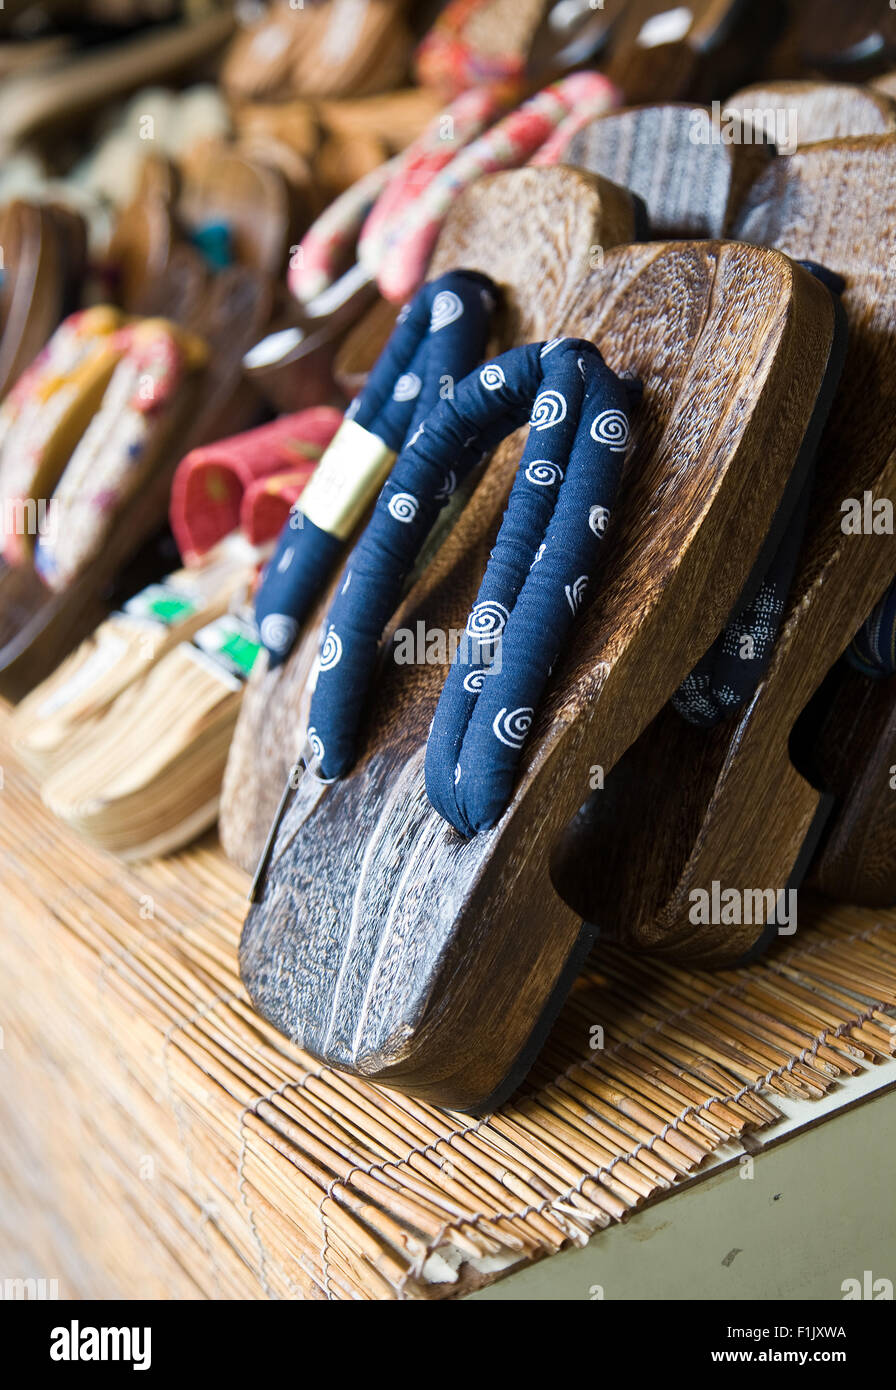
263, 1261
541, 1207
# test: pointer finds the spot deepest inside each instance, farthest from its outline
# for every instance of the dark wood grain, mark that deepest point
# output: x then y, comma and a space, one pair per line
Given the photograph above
383, 941
44, 253
855, 40
720, 50
730, 806
536, 233
690, 187
854, 756
363, 345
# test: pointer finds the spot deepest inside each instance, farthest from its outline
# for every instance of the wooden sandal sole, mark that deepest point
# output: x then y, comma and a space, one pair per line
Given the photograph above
385, 944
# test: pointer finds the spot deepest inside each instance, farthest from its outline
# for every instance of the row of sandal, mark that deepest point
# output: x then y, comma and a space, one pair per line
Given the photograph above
727, 585
562, 637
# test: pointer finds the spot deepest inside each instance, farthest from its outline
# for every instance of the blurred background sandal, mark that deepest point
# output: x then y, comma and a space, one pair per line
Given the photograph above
673, 157
849, 42
149, 398
672, 52
793, 114
44, 256
149, 780
328, 49
39, 628
64, 712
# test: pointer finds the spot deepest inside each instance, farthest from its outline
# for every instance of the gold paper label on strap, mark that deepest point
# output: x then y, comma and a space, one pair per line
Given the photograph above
347, 479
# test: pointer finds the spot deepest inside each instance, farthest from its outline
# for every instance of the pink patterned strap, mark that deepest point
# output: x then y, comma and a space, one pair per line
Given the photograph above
556, 146
446, 135
507, 145
316, 262
446, 61
210, 483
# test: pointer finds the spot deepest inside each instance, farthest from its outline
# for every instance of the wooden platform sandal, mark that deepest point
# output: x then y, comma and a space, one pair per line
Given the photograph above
44, 253
674, 158
665, 52
848, 42
39, 626
737, 808
381, 939
64, 715
793, 114
534, 232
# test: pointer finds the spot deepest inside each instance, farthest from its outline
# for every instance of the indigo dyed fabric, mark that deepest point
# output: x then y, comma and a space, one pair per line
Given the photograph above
873, 649
535, 582
436, 342
728, 675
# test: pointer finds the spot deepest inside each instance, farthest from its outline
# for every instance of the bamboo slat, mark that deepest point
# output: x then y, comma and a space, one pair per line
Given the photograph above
158, 1139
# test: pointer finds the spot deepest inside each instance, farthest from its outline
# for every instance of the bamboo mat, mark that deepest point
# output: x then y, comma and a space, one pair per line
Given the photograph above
159, 1140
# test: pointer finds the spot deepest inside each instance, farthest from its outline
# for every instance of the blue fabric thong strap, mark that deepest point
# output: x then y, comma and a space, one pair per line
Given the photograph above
873, 649
727, 676
438, 339
534, 584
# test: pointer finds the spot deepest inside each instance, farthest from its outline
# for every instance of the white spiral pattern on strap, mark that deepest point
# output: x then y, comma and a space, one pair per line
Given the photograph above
403, 506
278, 632
285, 560
599, 519
492, 377
549, 409
576, 592
543, 473
475, 680
407, 387
611, 428
487, 620
317, 743
539, 555
447, 307
512, 728
456, 773
417, 433
331, 651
